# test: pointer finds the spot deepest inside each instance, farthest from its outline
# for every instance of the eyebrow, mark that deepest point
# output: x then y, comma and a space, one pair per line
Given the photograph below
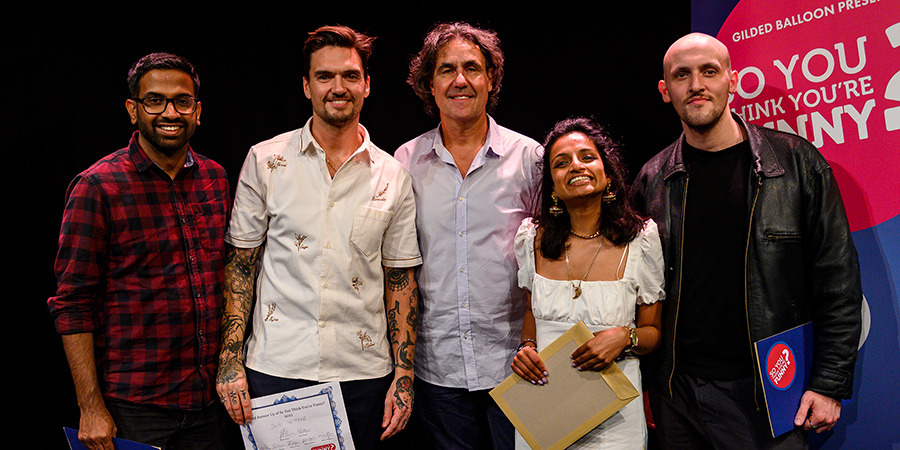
318, 73
464, 63
579, 152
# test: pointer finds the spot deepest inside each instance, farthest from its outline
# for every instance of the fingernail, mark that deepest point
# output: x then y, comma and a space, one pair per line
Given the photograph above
545, 373
533, 382
544, 380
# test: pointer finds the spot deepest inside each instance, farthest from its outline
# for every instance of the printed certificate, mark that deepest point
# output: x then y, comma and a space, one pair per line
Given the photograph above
312, 418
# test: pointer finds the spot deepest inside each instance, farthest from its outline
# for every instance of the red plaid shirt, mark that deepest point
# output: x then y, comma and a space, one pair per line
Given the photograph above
140, 265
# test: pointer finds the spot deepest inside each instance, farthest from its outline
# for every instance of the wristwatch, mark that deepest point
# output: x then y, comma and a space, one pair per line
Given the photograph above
632, 332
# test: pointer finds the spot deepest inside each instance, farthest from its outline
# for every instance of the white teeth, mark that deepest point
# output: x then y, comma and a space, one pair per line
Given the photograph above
578, 179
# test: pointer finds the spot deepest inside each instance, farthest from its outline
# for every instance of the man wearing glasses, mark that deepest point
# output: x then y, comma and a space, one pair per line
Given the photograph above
140, 269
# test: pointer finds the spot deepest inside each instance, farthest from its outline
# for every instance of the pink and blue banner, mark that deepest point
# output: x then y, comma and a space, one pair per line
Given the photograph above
830, 71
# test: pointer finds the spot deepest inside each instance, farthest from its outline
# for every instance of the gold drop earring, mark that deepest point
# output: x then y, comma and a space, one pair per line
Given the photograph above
555, 209
608, 196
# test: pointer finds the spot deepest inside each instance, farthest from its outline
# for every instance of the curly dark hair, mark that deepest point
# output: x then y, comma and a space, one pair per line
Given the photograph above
421, 68
619, 222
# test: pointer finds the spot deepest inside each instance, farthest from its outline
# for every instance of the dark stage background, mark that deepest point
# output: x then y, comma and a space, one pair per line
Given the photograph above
68, 68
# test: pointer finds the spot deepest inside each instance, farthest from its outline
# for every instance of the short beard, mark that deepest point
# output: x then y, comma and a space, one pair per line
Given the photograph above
165, 146
705, 121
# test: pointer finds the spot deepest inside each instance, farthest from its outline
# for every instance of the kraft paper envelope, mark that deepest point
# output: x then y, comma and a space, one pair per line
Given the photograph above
571, 404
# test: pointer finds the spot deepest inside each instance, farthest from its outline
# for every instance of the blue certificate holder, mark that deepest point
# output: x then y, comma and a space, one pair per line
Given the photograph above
784, 361
120, 444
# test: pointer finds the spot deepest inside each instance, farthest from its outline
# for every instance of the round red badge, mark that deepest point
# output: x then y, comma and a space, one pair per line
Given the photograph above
781, 366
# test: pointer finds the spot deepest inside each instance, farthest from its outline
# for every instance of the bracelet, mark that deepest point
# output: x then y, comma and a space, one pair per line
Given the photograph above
522, 345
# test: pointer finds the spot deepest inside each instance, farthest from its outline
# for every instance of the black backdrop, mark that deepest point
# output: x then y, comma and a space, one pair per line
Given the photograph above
66, 110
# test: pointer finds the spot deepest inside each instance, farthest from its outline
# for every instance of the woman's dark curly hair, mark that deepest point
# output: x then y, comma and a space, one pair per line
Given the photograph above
619, 222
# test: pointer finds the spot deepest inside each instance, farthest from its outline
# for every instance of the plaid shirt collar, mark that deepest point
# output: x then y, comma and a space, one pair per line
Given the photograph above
143, 162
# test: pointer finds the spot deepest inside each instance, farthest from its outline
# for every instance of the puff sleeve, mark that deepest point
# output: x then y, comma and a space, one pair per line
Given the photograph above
524, 250
651, 268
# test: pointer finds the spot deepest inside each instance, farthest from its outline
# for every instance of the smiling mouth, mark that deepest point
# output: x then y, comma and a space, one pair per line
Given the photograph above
170, 127
579, 179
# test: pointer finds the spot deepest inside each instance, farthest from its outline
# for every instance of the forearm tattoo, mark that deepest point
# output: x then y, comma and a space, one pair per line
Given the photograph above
403, 392
405, 353
397, 279
402, 297
240, 274
412, 319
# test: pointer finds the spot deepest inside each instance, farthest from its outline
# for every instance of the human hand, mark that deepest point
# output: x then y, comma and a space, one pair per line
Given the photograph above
529, 365
397, 405
602, 349
231, 385
817, 412
96, 428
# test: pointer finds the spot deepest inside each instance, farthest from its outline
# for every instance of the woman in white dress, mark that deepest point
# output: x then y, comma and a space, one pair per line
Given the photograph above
586, 255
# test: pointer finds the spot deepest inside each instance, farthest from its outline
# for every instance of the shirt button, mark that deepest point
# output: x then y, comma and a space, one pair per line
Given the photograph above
328, 246
322, 324
325, 285
462, 198
462, 269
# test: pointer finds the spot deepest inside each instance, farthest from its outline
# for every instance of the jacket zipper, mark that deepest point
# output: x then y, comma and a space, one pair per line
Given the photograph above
687, 179
759, 181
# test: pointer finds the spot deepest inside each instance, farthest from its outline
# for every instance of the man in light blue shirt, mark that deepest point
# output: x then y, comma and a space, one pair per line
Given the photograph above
474, 181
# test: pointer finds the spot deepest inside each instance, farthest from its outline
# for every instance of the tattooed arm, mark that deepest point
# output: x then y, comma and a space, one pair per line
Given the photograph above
401, 296
231, 383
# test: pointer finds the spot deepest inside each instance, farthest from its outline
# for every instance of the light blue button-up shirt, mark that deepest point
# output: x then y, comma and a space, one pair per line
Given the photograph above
472, 307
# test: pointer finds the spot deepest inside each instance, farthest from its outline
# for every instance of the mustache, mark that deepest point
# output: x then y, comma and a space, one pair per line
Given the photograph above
344, 96
166, 121
696, 96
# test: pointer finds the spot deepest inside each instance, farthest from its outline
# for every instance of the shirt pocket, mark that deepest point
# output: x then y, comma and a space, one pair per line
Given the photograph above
369, 225
210, 220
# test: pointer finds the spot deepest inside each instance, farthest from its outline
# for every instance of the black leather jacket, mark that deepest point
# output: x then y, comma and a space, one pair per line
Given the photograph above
800, 261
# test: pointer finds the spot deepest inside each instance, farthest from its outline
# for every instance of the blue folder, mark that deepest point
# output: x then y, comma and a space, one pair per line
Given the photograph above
120, 444
784, 361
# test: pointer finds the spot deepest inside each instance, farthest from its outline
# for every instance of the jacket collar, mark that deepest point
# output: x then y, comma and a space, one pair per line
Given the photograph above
764, 161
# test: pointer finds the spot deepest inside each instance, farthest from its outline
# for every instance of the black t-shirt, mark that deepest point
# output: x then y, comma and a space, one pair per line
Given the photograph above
712, 339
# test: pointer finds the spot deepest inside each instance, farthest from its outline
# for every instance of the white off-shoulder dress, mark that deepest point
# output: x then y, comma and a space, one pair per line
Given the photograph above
602, 305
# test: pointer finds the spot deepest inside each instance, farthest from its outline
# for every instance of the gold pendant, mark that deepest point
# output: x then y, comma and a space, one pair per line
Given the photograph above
577, 292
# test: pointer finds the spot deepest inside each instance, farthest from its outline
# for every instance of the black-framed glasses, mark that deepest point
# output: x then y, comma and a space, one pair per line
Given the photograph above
155, 104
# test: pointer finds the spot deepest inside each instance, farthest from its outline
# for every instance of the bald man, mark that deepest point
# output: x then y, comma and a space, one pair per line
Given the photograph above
756, 243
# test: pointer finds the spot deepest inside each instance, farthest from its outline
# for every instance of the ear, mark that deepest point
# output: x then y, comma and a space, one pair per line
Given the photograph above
368, 87
664, 91
197, 113
490, 75
131, 108
306, 87
733, 82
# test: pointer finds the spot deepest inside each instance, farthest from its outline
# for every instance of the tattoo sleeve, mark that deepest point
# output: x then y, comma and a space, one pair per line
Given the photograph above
402, 304
240, 276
